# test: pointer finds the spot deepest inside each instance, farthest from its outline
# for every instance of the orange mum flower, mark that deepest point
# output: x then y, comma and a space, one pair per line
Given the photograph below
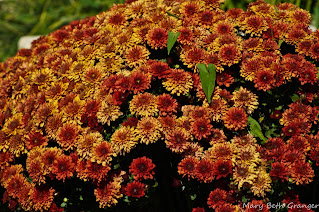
85, 143
144, 104
177, 139
301, 172
223, 27
178, 82
235, 119
201, 128
149, 130
205, 171
245, 99
34, 139
254, 25
166, 104
102, 152
222, 168
49, 155
108, 112
221, 150
217, 136
36, 170
139, 81
216, 198
279, 171
186, 37
63, 167
136, 55
157, 38
41, 197
124, 139
108, 193
14, 184
96, 172
264, 79
67, 135
135, 189
142, 168
229, 54
193, 56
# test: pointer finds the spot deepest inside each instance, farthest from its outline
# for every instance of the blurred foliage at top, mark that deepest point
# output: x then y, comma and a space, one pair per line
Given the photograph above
39, 17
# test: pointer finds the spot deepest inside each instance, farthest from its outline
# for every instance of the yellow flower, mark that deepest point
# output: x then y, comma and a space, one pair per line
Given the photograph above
108, 112
261, 184
144, 105
124, 139
178, 82
149, 130
245, 99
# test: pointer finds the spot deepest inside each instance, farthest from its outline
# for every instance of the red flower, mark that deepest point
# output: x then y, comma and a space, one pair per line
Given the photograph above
139, 82
135, 189
201, 128
198, 209
159, 69
264, 79
157, 38
166, 104
131, 121
188, 166
276, 114
205, 171
142, 168
279, 170
225, 78
216, 198
34, 139
63, 167
222, 168
235, 119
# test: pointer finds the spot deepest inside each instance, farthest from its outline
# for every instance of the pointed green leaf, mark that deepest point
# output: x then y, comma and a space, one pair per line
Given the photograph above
280, 42
171, 14
172, 38
207, 78
255, 129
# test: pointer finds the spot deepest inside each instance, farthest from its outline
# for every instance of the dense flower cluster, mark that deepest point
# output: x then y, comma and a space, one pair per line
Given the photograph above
78, 105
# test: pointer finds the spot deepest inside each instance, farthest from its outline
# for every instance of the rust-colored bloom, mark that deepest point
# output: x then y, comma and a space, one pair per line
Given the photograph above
178, 82
67, 135
216, 198
136, 55
142, 168
201, 128
301, 172
187, 167
235, 118
63, 167
124, 139
166, 104
222, 168
177, 139
229, 54
204, 171
279, 171
149, 130
41, 197
144, 104
135, 189
244, 98
102, 152
157, 38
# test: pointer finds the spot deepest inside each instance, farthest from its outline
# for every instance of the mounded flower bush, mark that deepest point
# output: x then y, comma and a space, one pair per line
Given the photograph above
162, 105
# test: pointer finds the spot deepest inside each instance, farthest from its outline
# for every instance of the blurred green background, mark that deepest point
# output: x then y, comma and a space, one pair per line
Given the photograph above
39, 17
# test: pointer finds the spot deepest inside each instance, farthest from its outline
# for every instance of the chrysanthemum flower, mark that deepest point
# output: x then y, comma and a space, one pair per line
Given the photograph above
244, 98
223, 150
204, 171
229, 54
13, 125
108, 193
198, 209
217, 136
218, 108
222, 168
244, 140
298, 143
67, 135
96, 172
223, 27
124, 139
136, 55
193, 56
262, 184
159, 69
299, 15
102, 152
63, 167
250, 67
190, 9
144, 104
166, 104
85, 142
314, 51
264, 79
177, 139
50, 155
16, 145
201, 128
248, 155
216, 198
36, 170
34, 139
301, 172
254, 25
135, 189
235, 118
149, 130
187, 167
139, 81
289, 156
41, 197
225, 79
157, 38
308, 73
186, 37
108, 112
279, 171
14, 184
244, 174
178, 82
142, 168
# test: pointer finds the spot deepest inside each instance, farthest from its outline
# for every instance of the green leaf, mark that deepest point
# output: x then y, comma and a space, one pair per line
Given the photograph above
294, 97
171, 14
207, 78
280, 42
193, 197
244, 199
171, 40
255, 129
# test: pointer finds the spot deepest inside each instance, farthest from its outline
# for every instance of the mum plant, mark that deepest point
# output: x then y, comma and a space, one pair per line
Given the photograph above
154, 104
